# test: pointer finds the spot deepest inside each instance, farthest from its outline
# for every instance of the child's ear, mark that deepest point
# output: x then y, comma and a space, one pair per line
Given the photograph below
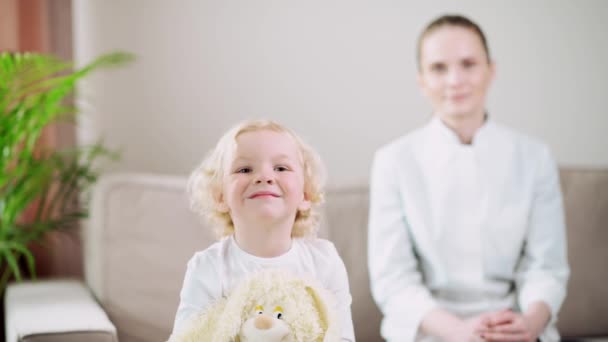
305, 204
220, 204
223, 207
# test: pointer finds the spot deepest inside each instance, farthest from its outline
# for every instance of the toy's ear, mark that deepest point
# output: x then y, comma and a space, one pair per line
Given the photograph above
203, 327
233, 316
324, 304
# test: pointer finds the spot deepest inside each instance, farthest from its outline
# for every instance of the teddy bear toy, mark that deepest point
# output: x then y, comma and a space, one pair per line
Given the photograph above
269, 306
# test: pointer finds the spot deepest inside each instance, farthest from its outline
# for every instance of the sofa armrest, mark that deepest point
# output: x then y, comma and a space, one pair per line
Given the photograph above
55, 310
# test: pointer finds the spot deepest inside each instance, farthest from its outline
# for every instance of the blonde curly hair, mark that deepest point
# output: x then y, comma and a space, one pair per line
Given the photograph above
205, 186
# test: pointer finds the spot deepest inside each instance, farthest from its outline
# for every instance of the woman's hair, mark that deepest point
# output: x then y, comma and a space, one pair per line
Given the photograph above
451, 20
205, 186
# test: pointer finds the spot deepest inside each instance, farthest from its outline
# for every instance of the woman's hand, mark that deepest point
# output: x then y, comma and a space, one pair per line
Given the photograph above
470, 330
509, 326
450, 328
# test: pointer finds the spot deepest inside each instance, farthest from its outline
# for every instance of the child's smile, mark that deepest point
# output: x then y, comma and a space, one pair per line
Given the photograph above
264, 194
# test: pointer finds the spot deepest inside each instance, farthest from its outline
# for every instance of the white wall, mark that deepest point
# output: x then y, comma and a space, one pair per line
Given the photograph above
341, 73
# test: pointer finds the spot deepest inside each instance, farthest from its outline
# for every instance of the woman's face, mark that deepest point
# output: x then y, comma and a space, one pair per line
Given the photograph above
455, 73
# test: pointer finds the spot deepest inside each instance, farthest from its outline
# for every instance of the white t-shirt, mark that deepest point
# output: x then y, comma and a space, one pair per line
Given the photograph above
214, 272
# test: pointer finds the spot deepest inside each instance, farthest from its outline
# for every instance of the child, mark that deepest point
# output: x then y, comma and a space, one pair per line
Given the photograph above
260, 187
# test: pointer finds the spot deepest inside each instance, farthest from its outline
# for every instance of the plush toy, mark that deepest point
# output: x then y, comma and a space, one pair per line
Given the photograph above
269, 306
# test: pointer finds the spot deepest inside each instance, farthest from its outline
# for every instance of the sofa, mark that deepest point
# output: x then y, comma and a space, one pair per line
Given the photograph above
141, 233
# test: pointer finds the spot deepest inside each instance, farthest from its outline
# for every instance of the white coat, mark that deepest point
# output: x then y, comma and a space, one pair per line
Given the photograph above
469, 228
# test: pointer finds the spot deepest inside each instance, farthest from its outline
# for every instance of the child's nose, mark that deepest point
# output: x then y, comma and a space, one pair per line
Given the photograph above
264, 180
264, 177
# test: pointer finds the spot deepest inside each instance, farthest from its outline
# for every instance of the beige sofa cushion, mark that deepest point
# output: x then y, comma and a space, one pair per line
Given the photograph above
137, 243
585, 310
345, 223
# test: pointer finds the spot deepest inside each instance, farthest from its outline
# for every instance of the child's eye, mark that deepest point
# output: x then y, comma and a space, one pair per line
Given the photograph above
245, 169
281, 168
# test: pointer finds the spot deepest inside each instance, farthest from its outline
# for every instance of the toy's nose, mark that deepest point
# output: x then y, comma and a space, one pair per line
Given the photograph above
263, 322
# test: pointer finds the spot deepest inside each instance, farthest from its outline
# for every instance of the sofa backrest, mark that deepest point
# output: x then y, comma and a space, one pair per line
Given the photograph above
585, 310
137, 242
345, 223
142, 233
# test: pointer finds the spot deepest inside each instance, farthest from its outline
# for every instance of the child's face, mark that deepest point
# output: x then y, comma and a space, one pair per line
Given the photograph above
264, 180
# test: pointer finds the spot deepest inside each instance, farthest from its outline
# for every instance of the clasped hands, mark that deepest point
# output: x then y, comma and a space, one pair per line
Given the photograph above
500, 326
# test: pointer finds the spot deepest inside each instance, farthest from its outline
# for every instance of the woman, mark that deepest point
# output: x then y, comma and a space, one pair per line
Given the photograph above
466, 227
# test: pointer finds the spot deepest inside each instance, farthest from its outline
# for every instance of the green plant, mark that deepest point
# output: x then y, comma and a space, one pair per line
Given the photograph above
47, 183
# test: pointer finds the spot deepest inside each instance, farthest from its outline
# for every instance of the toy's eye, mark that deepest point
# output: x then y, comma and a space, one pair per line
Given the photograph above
259, 309
278, 312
